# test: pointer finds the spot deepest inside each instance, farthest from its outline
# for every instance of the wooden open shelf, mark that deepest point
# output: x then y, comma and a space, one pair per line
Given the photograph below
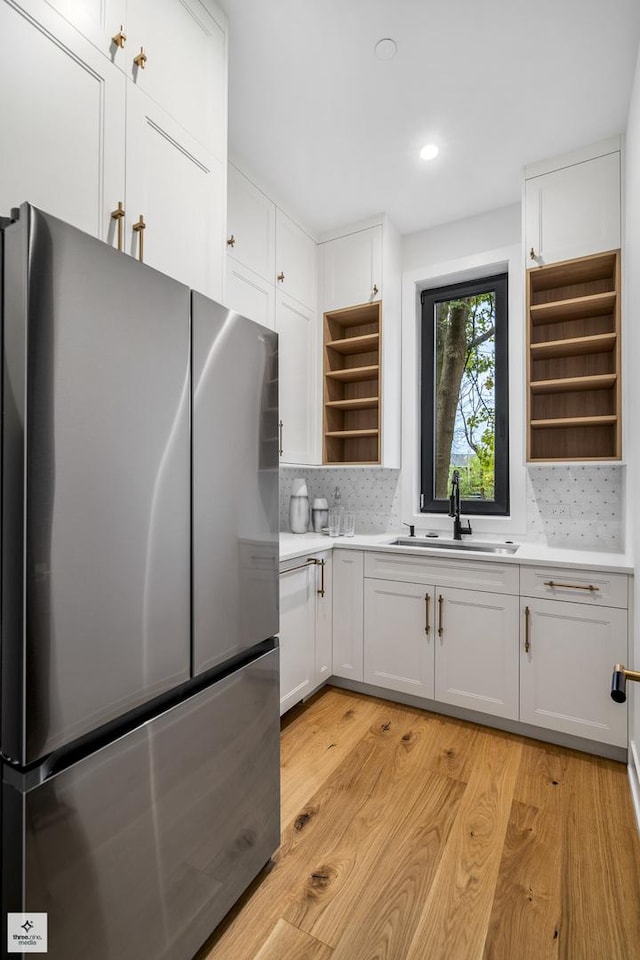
351, 421
573, 345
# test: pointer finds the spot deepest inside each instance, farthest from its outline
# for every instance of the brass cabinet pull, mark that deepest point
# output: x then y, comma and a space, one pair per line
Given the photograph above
281, 427
118, 216
427, 625
231, 242
440, 627
139, 228
527, 641
321, 563
120, 38
532, 254
375, 290
301, 566
140, 59
571, 586
280, 277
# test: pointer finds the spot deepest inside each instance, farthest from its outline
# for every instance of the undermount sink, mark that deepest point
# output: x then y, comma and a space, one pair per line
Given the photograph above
433, 543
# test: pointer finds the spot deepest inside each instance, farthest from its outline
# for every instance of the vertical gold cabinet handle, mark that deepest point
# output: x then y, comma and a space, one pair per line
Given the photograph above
440, 627
321, 590
527, 640
120, 38
118, 216
139, 227
140, 59
427, 625
231, 242
281, 427
280, 277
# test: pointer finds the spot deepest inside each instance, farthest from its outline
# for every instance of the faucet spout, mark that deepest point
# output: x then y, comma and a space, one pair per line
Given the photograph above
454, 508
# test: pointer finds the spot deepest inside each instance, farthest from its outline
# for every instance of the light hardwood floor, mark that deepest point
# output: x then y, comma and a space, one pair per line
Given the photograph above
410, 836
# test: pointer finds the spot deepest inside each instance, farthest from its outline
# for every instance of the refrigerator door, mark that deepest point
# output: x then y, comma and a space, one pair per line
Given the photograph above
235, 483
96, 485
138, 851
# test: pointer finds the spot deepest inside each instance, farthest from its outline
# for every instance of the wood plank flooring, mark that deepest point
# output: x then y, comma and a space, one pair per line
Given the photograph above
411, 836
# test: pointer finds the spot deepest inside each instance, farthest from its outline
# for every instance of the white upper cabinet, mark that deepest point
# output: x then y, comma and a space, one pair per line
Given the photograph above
185, 69
351, 269
295, 325
63, 121
250, 294
573, 211
251, 226
296, 261
183, 223
103, 22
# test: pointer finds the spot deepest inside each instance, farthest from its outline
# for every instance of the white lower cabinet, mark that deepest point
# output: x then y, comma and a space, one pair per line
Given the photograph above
348, 614
476, 651
398, 626
568, 651
305, 627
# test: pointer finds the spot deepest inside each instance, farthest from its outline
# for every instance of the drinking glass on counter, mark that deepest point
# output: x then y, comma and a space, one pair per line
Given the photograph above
334, 523
348, 524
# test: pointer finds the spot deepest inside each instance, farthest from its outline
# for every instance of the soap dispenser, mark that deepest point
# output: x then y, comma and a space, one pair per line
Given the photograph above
299, 507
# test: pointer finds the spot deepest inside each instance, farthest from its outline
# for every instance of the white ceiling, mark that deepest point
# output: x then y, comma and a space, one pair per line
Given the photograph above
333, 133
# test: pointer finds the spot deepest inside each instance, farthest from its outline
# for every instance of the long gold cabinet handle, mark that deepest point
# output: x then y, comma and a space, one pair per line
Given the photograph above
427, 625
280, 431
571, 586
140, 59
321, 564
527, 629
118, 216
120, 38
139, 227
440, 625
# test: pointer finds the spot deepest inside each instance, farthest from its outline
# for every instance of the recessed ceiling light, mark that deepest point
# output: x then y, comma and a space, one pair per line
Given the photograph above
429, 151
385, 49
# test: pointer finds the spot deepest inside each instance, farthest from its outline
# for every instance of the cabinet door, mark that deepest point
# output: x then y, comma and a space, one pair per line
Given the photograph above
398, 631
297, 380
477, 651
351, 269
249, 294
99, 21
565, 675
574, 211
62, 108
297, 634
348, 613
324, 617
251, 221
296, 261
186, 67
179, 190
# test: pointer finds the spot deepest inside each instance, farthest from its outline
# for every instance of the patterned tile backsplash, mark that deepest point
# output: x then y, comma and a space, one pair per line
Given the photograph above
372, 494
576, 506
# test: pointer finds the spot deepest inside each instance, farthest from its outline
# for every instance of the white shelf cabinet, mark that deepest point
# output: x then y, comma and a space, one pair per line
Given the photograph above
573, 211
351, 269
399, 631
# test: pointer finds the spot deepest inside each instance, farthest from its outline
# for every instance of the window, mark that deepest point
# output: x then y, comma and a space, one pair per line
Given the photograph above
464, 396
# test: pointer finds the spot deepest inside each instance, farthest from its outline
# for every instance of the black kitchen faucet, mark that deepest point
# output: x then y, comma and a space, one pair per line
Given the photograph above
454, 508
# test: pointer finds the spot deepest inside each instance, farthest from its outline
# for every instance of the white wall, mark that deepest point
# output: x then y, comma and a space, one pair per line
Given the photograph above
631, 349
462, 238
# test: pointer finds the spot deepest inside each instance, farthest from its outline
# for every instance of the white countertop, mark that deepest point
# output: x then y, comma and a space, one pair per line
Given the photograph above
294, 545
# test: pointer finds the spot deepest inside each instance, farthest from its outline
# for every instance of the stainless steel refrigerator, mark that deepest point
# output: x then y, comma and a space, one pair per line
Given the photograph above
139, 670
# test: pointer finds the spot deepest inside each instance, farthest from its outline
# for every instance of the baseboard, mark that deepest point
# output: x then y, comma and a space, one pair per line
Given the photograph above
634, 779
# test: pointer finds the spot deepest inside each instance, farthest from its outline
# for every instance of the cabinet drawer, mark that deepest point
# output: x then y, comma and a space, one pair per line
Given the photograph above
470, 574
576, 586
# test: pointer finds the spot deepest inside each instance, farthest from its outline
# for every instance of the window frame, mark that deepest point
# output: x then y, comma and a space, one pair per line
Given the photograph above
500, 506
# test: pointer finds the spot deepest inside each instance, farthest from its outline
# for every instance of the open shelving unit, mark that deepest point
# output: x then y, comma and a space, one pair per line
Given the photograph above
573, 345
351, 421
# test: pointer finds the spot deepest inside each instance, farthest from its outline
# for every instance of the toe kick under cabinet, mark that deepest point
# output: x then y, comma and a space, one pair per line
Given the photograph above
573, 631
